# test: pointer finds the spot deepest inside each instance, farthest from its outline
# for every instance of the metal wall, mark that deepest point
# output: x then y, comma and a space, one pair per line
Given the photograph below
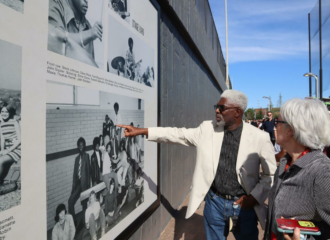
191, 83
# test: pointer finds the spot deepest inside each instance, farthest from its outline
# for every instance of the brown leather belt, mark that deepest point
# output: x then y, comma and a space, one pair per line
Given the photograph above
225, 196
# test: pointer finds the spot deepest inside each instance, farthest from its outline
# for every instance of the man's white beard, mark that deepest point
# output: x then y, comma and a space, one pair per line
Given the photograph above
221, 123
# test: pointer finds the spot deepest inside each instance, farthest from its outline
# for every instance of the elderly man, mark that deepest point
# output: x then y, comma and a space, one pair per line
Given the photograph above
229, 155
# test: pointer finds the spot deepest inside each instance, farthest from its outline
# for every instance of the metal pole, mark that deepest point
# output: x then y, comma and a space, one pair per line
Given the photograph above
310, 54
227, 63
320, 84
268, 104
317, 87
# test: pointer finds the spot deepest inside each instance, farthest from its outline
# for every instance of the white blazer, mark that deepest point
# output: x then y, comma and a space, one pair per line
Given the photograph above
255, 150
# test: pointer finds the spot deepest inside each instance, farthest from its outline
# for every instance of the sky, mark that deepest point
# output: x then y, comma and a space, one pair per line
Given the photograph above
267, 47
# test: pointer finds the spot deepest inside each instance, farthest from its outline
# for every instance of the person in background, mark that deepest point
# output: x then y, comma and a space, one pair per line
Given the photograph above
94, 217
101, 140
96, 163
301, 188
268, 126
107, 125
81, 177
121, 164
279, 151
130, 61
107, 168
64, 228
254, 123
117, 120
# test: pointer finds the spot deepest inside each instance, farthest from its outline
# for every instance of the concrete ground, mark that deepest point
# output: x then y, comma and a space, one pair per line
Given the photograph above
180, 228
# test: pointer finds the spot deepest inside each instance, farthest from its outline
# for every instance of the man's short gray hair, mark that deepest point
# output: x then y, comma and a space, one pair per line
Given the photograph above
310, 121
236, 98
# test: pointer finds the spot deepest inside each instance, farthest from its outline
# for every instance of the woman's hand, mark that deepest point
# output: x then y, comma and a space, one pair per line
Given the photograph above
296, 235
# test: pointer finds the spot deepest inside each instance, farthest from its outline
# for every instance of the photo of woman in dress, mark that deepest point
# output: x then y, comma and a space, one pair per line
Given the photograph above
10, 129
10, 140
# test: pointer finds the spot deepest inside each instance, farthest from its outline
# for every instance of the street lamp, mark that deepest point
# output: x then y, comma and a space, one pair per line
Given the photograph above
316, 82
227, 63
268, 102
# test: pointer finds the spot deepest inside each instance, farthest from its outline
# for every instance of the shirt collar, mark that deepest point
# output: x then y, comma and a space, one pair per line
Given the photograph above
69, 16
304, 160
307, 159
236, 132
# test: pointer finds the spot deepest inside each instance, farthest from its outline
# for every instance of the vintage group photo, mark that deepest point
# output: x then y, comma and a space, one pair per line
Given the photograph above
10, 125
75, 30
128, 55
94, 173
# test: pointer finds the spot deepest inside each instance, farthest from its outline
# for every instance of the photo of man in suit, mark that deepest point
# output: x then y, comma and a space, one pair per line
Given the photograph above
81, 177
227, 172
96, 163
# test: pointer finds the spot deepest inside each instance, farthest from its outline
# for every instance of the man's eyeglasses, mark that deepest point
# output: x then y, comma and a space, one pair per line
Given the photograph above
222, 108
277, 122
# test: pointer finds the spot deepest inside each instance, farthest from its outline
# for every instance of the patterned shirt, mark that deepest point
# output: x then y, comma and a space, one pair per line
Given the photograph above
302, 192
226, 181
61, 16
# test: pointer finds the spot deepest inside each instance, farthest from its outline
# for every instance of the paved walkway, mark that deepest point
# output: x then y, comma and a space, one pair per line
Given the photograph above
180, 228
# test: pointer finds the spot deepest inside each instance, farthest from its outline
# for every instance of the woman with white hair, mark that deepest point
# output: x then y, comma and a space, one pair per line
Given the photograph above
301, 187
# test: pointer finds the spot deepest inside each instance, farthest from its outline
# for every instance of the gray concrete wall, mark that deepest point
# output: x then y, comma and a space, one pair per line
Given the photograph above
188, 93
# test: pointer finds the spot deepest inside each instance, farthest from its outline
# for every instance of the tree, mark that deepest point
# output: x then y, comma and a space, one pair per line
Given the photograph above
279, 102
249, 114
259, 114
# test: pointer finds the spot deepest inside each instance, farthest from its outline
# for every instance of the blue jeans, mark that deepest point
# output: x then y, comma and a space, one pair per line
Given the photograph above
216, 219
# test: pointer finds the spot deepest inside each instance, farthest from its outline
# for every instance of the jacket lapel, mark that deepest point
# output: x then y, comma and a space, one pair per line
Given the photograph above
243, 147
217, 143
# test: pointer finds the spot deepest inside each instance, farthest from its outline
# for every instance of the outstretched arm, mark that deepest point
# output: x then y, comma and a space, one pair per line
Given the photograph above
182, 136
131, 131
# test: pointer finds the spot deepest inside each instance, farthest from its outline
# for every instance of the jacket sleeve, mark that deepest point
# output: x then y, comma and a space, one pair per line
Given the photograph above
182, 136
268, 168
322, 193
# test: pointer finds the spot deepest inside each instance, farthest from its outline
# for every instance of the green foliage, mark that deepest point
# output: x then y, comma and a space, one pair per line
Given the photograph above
259, 115
249, 114
11, 97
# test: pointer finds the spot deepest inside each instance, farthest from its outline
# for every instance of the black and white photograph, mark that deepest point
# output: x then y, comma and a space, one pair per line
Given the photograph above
122, 8
17, 5
94, 173
10, 121
128, 55
75, 30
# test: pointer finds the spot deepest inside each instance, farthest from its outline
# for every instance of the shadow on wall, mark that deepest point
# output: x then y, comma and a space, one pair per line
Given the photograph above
183, 228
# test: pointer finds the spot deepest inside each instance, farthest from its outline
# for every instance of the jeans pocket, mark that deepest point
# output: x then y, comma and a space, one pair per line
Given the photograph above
211, 194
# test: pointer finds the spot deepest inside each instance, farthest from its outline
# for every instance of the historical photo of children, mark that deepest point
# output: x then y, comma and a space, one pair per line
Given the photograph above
10, 130
121, 7
128, 55
17, 5
75, 29
94, 173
